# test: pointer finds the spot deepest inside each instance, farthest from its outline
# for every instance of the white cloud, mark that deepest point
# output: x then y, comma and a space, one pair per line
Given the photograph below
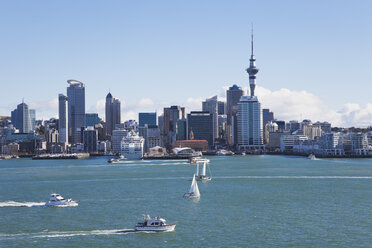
145, 102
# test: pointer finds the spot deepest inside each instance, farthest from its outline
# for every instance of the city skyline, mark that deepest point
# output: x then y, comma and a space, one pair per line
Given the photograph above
306, 71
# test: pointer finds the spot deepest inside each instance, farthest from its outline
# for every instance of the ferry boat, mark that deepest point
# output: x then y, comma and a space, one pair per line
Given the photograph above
311, 157
224, 153
156, 224
56, 200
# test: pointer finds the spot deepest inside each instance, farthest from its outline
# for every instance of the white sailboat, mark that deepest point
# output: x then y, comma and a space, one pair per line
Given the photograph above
194, 190
203, 174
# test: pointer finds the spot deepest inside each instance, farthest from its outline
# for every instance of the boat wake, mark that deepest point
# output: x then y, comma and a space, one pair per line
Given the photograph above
294, 177
65, 234
21, 204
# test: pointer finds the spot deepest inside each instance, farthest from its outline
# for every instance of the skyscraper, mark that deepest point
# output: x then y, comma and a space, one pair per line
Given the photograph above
112, 113
170, 118
76, 110
20, 118
211, 105
233, 95
250, 131
147, 118
200, 123
63, 118
32, 118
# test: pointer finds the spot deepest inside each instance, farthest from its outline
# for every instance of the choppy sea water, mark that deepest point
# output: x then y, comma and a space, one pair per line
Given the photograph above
252, 201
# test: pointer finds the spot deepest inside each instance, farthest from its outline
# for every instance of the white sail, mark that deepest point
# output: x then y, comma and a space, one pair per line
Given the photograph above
194, 190
204, 169
197, 169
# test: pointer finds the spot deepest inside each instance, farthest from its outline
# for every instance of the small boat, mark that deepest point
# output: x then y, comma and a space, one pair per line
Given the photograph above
202, 177
156, 224
56, 200
117, 160
311, 157
194, 190
224, 153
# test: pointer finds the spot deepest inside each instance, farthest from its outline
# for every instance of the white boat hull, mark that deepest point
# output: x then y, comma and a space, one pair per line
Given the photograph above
65, 203
165, 228
203, 178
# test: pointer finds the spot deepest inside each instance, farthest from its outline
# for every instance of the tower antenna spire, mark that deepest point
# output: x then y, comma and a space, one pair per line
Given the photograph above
252, 38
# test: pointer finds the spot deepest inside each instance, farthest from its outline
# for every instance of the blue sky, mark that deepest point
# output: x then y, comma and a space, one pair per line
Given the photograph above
154, 53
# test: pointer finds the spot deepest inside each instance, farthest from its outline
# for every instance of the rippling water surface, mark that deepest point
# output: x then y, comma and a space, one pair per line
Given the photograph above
252, 201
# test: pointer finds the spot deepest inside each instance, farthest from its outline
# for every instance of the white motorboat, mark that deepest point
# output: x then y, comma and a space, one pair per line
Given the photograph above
202, 176
224, 153
156, 224
56, 200
311, 157
194, 190
119, 160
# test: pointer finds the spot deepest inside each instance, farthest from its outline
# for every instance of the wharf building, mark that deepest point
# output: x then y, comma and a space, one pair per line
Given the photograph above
76, 110
112, 114
250, 128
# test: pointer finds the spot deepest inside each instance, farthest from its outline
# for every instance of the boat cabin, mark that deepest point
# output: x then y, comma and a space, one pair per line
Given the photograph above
56, 197
155, 222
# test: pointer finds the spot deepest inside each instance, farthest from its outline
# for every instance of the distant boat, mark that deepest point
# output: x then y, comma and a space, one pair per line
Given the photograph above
119, 160
312, 157
156, 224
202, 176
194, 190
224, 153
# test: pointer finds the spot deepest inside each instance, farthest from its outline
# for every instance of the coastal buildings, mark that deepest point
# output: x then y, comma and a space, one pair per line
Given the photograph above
147, 118
76, 110
90, 139
112, 114
169, 122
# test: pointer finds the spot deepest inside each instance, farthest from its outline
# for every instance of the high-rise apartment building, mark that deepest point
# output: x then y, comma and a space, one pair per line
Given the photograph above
170, 118
63, 118
112, 114
76, 110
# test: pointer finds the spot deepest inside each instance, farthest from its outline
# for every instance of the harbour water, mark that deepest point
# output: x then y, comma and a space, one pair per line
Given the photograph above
252, 201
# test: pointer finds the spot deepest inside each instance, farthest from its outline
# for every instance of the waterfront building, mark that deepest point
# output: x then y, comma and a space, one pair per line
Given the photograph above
147, 118
326, 126
293, 126
331, 144
170, 118
21, 118
104, 146
132, 146
92, 119
112, 113
274, 140
211, 105
270, 127
233, 95
281, 125
355, 144
312, 131
117, 137
90, 139
222, 122
249, 115
288, 141
200, 123
63, 118
76, 110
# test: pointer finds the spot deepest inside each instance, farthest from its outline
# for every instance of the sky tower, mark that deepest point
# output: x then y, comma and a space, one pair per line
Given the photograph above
252, 69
